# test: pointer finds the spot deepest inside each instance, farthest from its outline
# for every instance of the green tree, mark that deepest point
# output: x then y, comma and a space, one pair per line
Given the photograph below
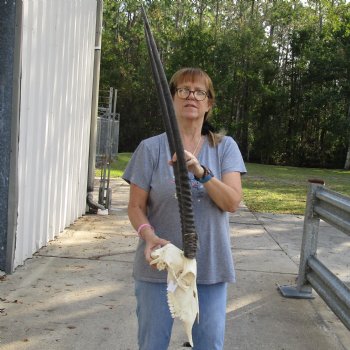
280, 69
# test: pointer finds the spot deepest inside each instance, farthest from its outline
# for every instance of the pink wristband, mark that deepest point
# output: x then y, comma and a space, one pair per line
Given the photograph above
142, 227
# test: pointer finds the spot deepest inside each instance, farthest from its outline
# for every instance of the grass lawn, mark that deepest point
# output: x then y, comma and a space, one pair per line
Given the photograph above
117, 167
272, 189
283, 189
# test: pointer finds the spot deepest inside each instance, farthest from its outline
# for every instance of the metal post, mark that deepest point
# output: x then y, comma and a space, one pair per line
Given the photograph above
303, 290
109, 149
107, 124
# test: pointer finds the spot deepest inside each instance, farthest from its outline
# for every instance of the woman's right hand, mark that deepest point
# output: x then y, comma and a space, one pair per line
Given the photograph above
137, 210
153, 242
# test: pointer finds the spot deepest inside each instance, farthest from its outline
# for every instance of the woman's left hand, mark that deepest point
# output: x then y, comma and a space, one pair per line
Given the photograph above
226, 192
192, 163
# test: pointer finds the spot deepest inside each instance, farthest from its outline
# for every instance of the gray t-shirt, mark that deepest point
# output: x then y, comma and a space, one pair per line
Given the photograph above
149, 170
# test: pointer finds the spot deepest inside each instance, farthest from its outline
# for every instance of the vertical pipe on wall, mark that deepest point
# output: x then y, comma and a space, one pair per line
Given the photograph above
94, 107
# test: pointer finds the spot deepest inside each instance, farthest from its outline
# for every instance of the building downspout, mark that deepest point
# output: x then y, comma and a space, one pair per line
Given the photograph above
94, 107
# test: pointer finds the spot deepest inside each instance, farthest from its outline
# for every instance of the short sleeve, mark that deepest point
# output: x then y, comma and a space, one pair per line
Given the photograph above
140, 167
232, 159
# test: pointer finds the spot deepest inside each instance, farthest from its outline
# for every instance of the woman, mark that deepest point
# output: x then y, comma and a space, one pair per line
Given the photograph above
215, 166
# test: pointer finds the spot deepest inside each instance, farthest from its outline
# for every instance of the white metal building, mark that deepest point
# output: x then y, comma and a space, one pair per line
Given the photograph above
52, 113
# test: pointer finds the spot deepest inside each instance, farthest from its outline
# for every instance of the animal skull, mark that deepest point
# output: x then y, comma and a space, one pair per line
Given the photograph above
182, 287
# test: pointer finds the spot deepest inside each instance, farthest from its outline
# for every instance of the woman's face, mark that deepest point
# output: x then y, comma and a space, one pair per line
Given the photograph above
189, 108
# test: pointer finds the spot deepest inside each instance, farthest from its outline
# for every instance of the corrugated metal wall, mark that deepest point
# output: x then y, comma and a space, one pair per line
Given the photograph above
56, 90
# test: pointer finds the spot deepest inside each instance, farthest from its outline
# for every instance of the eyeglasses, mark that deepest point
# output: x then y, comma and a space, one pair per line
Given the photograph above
184, 93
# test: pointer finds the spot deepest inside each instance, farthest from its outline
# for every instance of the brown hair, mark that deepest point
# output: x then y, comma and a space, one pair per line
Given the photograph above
195, 74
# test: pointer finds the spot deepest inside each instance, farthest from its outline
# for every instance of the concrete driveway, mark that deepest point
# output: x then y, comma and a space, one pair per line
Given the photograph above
77, 293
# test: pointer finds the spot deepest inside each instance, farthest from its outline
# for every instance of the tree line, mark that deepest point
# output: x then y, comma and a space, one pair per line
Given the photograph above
281, 71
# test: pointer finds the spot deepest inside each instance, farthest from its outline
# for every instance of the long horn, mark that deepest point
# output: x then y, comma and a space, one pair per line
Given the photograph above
183, 188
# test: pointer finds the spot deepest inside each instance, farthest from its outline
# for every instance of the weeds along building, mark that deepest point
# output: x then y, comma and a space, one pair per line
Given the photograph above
49, 68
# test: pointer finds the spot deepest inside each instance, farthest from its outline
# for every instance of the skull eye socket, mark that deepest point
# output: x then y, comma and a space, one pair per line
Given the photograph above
179, 273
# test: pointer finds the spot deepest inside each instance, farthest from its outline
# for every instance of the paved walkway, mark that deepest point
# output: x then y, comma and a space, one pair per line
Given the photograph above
77, 293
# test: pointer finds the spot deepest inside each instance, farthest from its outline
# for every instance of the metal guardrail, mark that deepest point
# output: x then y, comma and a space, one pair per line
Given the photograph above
333, 208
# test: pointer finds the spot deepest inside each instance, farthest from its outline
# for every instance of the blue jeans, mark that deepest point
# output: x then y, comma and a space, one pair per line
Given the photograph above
155, 321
